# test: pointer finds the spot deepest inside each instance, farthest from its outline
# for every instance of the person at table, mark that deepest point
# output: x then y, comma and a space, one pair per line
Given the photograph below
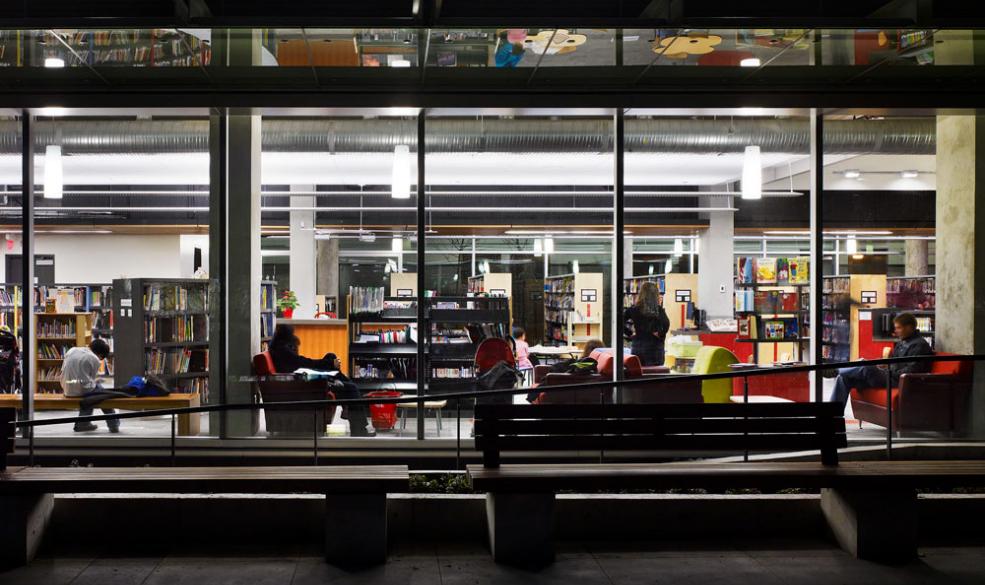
285, 351
80, 377
523, 361
647, 325
910, 344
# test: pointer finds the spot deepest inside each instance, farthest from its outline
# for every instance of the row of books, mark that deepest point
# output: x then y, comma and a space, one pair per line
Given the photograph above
462, 372
176, 361
267, 297
386, 369
837, 284
176, 329
366, 299
563, 284
387, 337
192, 386
753, 270
267, 324
769, 301
838, 353
49, 374
52, 351
781, 329
835, 333
56, 328
176, 297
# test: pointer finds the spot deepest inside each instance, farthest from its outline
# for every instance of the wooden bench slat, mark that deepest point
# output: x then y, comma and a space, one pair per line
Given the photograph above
852, 474
721, 442
627, 411
323, 479
644, 426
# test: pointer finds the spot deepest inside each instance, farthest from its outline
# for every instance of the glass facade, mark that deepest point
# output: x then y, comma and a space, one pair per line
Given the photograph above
186, 236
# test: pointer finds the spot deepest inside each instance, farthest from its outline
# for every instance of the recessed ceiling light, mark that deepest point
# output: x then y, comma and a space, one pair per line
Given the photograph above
910, 174
750, 62
852, 174
54, 62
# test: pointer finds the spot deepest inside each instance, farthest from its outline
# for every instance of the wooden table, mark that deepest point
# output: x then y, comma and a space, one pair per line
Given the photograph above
188, 424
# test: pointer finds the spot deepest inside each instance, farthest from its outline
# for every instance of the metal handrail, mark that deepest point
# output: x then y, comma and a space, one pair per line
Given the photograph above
594, 384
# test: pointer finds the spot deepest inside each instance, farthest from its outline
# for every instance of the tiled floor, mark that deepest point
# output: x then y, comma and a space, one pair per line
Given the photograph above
457, 564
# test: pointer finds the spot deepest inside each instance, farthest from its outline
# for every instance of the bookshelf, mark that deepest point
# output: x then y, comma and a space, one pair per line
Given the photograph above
456, 326
382, 340
10, 307
772, 306
836, 329
161, 326
136, 47
495, 284
907, 294
56, 333
573, 308
97, 300
683, 289
268, 311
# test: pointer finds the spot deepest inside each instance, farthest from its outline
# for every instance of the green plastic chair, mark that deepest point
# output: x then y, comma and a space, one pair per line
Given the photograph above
712, 359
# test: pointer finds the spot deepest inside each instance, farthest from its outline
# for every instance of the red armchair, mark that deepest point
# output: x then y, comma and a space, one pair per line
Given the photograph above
286, 421
937, 401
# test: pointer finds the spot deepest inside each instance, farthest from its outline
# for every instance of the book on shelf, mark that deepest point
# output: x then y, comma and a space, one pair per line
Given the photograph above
772, 271
366, 299
175, 329
176, 361
391, 368
445, 373
176, 297
56, 327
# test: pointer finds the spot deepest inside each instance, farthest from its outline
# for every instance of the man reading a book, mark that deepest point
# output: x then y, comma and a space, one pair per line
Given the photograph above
910, 344
80, 372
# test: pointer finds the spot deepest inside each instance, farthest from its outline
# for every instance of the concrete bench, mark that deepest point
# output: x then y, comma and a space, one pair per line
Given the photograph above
870, 506
188, 424
355, 497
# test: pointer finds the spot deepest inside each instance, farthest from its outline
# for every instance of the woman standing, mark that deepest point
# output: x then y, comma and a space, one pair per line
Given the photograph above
646, 325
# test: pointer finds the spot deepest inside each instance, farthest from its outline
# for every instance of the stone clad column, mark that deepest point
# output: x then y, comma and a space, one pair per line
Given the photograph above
917, 258
303, 251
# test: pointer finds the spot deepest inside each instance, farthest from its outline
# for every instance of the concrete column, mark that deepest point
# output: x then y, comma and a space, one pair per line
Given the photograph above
303, 252
23, 520
521, 528
715, 261
917, 257
960, 256
875, 526
327, 278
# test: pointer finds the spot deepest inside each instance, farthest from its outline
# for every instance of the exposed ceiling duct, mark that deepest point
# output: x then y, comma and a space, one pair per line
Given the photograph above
672, 135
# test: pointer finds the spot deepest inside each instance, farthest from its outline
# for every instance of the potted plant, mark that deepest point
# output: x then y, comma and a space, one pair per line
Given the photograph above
287, 302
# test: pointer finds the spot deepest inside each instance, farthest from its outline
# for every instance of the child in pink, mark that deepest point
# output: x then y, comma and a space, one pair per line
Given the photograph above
522, 349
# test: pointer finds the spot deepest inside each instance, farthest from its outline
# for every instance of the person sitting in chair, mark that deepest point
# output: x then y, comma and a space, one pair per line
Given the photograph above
285, 353
910, 344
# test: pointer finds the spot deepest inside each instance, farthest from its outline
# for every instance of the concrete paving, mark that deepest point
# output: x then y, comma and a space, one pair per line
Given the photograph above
465, 564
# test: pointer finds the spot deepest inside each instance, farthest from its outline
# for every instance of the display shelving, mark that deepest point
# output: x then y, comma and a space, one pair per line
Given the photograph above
683, 294
161, 326
573, 308
268, 311
772, 303
55, 334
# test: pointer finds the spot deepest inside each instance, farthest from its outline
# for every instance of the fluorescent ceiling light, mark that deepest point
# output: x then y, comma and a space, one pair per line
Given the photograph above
910, 174
74, 231
548, 245
859, 232
275, 252
400, 178
397, 245
367, 237
54, 62
752, 173
851, 246
54, 180
750, 62
787, 233
852, 174
400, 63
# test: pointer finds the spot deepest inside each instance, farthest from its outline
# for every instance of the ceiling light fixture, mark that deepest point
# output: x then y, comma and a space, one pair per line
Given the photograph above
851, 245
852, 174
668, 267
538, 247
752, 174
397, 245
400, 178
54, 179
575, 267
911, 174
548, 245
678, 247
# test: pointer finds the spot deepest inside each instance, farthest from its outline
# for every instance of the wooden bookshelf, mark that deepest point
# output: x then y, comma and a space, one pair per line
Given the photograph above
56, 333
678, 289
161, 326
573, 308
494, 284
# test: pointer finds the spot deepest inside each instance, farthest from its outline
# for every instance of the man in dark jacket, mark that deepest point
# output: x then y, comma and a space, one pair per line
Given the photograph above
910, 344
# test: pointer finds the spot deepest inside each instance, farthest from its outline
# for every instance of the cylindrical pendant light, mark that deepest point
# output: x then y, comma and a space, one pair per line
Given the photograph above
397, 245
538, 247
548, 245
752, 174
400, 179
678, 247
851, 245
54, 177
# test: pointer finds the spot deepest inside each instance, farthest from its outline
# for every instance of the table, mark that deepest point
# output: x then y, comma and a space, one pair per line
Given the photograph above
759, 399
435, 405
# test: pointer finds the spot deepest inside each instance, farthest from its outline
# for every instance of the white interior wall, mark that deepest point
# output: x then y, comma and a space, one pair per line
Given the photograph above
100, 258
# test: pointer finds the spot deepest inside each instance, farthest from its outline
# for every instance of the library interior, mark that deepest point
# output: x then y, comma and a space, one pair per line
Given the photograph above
516, 212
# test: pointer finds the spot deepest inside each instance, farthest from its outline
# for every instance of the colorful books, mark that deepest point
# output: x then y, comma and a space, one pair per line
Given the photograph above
765, 270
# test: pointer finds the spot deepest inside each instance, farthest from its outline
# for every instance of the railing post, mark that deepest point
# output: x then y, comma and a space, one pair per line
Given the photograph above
889, 412
30, 446
458, 434
745, 400
314, 434
173, 435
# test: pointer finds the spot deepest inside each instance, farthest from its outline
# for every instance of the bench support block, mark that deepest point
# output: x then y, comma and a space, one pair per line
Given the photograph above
521, 528
355, 529
23, 520
875, 526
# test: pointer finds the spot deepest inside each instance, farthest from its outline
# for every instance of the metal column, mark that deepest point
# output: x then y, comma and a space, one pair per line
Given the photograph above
618, 245
817, 245
27, 269
422, 333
